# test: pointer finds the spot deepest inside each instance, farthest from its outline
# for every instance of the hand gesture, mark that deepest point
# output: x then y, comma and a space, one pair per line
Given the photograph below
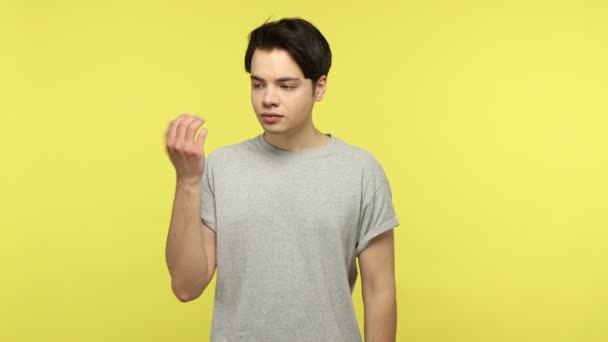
186, 154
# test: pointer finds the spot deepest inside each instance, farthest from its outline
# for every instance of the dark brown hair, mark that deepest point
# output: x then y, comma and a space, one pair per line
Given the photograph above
301, 39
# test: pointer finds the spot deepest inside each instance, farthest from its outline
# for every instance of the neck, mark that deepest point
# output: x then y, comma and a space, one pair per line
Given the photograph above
302, 140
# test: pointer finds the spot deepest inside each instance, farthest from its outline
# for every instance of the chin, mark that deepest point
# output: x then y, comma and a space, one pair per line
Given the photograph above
272, 130
270, 127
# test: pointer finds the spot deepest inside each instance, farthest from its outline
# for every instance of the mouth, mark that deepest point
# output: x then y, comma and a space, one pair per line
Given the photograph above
271, 118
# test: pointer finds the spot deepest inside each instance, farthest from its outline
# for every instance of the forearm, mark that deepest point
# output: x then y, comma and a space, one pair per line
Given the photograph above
380, 316
185, 253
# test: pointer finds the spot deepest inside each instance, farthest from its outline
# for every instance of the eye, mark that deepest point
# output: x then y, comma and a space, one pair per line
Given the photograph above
287, 87
257, 85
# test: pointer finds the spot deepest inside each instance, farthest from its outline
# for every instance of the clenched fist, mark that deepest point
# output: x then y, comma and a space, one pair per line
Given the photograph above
187, 155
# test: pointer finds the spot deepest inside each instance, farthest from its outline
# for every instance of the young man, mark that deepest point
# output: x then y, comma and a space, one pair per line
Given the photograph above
283, 215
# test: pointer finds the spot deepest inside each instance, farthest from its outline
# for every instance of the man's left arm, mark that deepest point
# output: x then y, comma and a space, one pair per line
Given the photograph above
377, 266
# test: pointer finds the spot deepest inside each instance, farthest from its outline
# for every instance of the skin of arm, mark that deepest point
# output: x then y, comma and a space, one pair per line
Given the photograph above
190, 248
377, 266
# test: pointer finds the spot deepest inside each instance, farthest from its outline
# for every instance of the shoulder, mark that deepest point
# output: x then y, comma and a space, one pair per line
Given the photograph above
360, 157
364, 165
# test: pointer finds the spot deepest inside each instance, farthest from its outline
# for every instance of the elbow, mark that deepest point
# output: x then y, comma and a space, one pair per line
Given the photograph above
185, 294
186, 288
185, 297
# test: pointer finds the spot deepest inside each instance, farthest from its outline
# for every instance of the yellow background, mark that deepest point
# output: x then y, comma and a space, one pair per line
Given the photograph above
489, 118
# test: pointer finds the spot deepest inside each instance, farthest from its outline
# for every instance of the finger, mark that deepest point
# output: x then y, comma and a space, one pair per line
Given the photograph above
192, 128
171, 132
200, 141
181, 129
172, 129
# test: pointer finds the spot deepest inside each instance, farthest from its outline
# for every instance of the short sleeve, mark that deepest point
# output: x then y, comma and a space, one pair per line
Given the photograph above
208, 197
377, 213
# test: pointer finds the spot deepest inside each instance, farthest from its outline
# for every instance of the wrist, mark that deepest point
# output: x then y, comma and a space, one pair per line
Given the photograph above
185, 182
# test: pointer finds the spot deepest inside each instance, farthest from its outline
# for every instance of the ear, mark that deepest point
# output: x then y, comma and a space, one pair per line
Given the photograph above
320, 88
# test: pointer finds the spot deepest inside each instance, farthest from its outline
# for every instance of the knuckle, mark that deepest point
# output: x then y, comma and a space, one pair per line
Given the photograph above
194, 151
185, 123
179, 119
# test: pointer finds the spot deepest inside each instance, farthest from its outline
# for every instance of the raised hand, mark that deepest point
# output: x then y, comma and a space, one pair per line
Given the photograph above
186, 154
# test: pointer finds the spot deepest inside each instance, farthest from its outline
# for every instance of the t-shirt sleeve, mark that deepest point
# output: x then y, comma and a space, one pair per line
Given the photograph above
377, 212
208, 196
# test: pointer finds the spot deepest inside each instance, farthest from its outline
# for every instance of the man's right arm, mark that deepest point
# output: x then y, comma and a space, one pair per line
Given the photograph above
190, 250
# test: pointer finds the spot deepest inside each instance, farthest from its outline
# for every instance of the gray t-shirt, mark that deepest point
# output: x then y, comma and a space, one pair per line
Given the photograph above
289, 226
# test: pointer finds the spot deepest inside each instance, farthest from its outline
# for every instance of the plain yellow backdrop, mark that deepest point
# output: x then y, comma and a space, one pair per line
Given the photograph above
489, 117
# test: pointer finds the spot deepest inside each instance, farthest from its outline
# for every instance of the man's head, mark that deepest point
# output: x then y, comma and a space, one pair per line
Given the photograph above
288, 61
302, 41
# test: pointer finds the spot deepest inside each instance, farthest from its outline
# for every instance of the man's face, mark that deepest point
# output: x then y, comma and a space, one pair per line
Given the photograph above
282, 98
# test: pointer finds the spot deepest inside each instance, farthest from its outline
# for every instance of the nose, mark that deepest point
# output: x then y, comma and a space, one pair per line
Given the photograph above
270, 97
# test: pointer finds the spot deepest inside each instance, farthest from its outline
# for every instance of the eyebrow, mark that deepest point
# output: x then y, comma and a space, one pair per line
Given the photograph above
282, 79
